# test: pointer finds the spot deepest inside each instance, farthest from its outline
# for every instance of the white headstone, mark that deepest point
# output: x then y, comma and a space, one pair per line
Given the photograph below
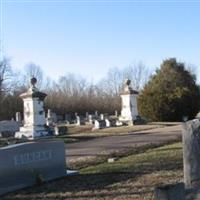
96, 124
101, 116
78, 121
107, 123
90, 119
18, 117
49, 119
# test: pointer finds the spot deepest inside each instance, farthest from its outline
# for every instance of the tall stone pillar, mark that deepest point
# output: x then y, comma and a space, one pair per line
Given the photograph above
191, 153
129, 103
34, 114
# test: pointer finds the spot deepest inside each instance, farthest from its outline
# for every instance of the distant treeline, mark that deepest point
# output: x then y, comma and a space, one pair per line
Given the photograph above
71, 93
170, 93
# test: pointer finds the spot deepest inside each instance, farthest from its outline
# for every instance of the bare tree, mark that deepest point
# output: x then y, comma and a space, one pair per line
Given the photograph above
31, 70
112, 83
138, 73
5, 75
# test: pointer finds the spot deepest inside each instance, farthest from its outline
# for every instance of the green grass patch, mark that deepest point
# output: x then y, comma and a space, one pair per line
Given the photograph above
162, 158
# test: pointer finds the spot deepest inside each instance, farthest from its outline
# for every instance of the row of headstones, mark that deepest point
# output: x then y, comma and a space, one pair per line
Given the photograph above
79, 120
100, 124
9, 127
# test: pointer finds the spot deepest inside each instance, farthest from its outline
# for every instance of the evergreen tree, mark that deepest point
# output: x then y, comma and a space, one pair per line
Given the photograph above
171, 94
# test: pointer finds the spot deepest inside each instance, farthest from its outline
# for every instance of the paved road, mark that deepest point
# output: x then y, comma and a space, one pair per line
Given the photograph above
106, 145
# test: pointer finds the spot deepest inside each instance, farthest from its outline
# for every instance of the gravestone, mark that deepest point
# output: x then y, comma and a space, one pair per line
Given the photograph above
119, 123
191, 153
107, 123
49, 119
60, 130
90, 119
8, 128
116, 113
129, 103
30, 163
99, 124
101, 116
96, 114
87, 116
18, 117
78, 121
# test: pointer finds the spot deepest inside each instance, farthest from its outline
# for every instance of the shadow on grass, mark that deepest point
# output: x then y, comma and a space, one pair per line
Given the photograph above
83, 185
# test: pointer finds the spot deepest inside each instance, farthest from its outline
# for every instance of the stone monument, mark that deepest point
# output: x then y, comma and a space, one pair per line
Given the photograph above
129, 103
191, 152
34, 114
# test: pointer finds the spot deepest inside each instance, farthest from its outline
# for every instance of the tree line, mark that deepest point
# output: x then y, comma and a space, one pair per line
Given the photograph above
170, 93
71, 93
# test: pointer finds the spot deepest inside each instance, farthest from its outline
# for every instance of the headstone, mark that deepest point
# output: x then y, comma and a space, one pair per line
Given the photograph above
87, 116
191, 153
78, 121
54, 117
49, 120
96, 114
116, 113
60, 130
34, 114
101, 117
98, 124
18, 117
170, 192
107, 123
8, 128
113, 122
27, 164
118, 123
90, 119
129, 103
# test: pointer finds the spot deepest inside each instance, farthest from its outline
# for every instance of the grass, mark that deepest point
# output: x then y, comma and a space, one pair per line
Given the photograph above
131, 177
82, 133
143, 162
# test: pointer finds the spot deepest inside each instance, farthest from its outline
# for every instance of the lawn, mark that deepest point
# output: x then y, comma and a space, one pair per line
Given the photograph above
132, 176
84, 132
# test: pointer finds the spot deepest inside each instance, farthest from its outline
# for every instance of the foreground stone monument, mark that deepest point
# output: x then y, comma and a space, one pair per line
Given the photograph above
31, 163
34, 114
129, 110
191, 154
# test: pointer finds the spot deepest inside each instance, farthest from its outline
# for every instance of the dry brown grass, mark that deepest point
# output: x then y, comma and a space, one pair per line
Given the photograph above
132, 177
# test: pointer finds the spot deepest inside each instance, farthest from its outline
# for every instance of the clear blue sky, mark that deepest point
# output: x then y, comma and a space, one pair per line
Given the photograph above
89, 37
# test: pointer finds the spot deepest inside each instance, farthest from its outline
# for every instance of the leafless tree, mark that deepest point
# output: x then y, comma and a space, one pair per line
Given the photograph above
138, 73
31, 70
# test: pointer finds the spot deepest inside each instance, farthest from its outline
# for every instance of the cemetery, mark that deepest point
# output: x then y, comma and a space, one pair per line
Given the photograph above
97, 156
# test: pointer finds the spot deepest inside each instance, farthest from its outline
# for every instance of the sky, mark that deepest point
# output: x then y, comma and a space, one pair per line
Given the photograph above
89, 37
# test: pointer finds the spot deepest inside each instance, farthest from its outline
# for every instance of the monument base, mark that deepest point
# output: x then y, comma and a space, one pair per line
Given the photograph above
31, 133
127, 121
